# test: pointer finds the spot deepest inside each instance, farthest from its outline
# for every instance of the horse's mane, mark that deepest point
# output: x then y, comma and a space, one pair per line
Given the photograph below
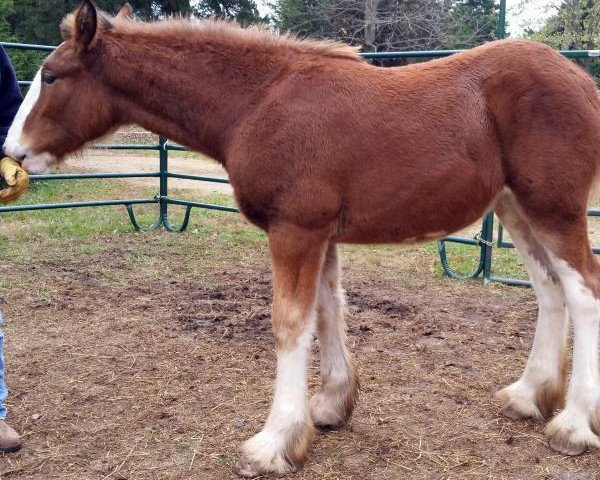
220, 31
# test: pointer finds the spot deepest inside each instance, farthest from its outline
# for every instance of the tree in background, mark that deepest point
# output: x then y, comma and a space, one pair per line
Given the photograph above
575, 26
376, 25
26, 63
303, 17
472, 22
7, 7
243, 11
379, 25
38, 21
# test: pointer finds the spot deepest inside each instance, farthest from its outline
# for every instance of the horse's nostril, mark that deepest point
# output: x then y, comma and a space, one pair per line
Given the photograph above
20, 158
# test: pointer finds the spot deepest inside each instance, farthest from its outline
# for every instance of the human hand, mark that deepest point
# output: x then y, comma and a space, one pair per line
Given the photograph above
15, 178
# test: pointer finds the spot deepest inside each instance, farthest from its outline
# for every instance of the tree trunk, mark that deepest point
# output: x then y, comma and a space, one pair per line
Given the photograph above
371, 7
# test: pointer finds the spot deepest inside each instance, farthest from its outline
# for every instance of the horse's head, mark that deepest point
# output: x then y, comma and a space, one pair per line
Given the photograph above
67, 105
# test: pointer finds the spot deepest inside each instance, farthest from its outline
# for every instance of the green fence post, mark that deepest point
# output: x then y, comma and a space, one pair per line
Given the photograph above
164, 192
164, 178
487, 243
501, 31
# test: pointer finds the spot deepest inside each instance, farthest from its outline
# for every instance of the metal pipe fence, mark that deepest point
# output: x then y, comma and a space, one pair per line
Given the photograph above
484, 240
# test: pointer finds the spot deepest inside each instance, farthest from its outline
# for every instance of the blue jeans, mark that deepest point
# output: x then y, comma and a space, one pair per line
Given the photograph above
3, 389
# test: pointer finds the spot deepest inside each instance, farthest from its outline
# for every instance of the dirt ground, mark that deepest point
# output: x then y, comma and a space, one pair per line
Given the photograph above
116, 162
130, 358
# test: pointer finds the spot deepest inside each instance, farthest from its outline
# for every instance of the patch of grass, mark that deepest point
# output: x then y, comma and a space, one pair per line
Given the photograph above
73, 222
463, 259
91, 220
398, 263
197, 196
89, 231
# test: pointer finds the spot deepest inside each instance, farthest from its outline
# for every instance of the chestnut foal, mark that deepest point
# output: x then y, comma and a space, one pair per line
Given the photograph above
322, 148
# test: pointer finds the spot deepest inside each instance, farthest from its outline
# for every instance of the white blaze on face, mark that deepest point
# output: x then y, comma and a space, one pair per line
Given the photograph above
15, 145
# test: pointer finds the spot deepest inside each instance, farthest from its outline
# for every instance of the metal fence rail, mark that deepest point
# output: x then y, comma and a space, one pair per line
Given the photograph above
484, 241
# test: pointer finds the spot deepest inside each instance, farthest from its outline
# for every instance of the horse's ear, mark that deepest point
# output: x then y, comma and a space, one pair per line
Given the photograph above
126, 12
86, 24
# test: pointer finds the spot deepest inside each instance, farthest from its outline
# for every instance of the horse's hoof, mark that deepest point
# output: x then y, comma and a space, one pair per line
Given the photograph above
568, 439
516, 405
332, 406
324, 414
248, 468
275, 453
569, 444
510, 411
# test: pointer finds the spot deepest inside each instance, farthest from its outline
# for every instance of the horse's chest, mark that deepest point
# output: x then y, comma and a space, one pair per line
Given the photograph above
307, 202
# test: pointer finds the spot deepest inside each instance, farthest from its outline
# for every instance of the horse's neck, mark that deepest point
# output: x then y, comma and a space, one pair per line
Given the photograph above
192, 95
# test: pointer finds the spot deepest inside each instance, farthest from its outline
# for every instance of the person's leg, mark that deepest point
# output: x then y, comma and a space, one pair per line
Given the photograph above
9, 439
3, 389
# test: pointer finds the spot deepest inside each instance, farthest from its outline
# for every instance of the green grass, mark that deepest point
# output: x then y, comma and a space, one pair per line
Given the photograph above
74, 222
463, 259
89, 230
408, 261
85, 221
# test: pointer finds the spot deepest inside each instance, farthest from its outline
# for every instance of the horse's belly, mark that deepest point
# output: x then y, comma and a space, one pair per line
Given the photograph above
420, 199
418, 220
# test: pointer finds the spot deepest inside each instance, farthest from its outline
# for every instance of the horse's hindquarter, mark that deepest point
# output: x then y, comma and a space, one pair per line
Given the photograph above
547, 112
513, 114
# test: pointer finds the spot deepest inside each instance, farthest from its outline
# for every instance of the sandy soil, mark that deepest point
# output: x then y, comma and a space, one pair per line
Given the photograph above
120, 162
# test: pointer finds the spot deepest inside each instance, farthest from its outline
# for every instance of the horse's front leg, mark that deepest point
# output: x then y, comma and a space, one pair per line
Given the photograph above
282, 444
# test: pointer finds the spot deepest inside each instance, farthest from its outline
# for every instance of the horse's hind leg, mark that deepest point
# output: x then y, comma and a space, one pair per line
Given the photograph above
571, 431
541, 388
282, 445
334, 403
560, 226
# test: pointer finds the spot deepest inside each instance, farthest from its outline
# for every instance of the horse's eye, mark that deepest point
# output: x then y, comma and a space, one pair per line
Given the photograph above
48, 78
